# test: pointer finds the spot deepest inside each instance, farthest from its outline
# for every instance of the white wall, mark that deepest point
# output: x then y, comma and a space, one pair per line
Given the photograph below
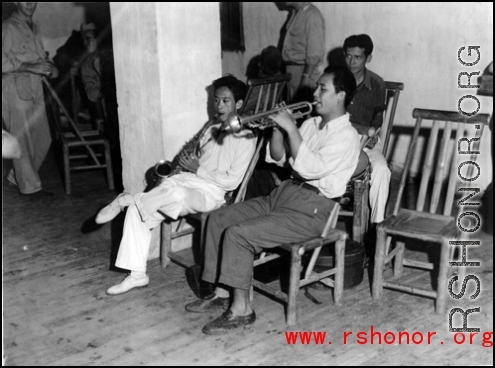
415, 43
56, 22
166, 54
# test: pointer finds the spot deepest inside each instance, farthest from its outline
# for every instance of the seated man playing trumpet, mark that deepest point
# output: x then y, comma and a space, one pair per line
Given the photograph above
323, 154
201, 187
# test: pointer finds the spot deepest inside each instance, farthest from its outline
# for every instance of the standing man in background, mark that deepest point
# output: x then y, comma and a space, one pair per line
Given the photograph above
302, 43
24, 63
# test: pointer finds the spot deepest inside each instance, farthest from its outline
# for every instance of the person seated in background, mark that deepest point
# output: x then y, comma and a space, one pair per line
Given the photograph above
90, 66
323, 154
271, 62
366, 110
98, 79
200, 187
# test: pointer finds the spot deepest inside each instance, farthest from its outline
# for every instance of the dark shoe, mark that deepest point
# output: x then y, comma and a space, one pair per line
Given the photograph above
212, 303
227, 322
11, 189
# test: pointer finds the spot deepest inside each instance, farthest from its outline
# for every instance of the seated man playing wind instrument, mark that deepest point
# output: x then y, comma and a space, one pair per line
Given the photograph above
323, 154
220, 168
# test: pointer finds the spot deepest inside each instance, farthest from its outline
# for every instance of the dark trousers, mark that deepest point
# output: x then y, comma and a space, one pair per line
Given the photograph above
236, 233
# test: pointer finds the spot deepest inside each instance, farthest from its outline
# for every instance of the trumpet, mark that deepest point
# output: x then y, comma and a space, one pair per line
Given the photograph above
262, 121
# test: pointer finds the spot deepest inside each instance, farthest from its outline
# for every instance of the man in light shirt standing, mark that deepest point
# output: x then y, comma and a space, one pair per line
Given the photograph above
302, 45
24, 64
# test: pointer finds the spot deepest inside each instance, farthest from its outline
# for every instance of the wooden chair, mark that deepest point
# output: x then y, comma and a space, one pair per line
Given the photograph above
329, 235
262, 95
392, 94
357, 193
425, 224
78, 145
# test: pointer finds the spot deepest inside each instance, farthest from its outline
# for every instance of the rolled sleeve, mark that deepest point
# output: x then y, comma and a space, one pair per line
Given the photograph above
9, 62
269, 159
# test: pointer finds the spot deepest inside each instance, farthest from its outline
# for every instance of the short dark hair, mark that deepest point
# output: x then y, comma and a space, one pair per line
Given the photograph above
362, 41
271, 61
343, 80
237, 87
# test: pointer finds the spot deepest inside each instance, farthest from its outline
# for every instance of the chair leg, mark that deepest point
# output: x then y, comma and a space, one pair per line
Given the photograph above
204, 219
357, 221
460, 271
399, 259
380, 255
366, 211
442, 277
294, 278
66, 169
108, 161
166, 243
338, 290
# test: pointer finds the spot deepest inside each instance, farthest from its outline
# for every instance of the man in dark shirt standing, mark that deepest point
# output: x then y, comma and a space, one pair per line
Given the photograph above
366, 111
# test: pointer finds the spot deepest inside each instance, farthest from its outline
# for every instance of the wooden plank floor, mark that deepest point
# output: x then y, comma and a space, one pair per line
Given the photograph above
57, 265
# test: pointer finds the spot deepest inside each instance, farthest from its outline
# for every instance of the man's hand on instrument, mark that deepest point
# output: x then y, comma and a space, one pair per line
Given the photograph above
284, 118
190, 162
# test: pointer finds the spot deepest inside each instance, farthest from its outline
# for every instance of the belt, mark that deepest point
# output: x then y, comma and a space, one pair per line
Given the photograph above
312, 188
290, 63
305, 185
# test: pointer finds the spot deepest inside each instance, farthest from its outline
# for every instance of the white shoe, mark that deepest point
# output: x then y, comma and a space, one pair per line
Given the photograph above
129, 283
109, 212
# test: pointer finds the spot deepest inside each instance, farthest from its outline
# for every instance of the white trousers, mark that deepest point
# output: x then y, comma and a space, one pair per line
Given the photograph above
170, 199
380, 183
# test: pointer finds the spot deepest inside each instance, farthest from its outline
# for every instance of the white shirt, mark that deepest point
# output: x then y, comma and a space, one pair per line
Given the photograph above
224, 164
328, 157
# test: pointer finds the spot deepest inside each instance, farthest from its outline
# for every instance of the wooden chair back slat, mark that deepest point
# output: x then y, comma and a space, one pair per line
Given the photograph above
474, 147
427, 167
275, 93
258, 101
407, 165
440, 167
267, 98
449, 197
392, 94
